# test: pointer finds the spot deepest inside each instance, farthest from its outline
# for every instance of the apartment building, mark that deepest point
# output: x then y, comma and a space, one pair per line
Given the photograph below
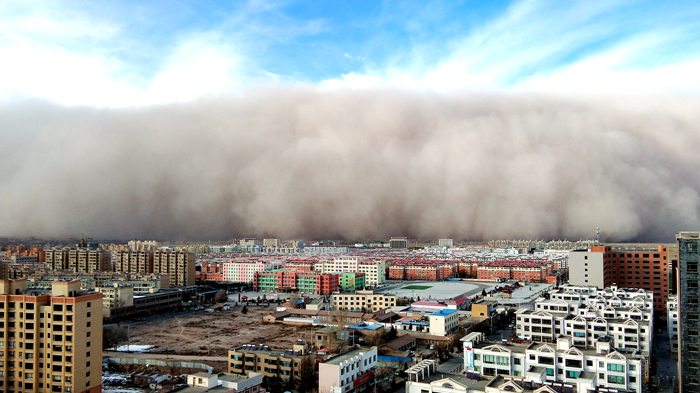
363, 300
243, 271
116, 295
132, 261
672, 322
351, 372
81, 260
285, 364
590, 315
51, 340
326, 250
563, 363
641, 266
288, 280
178, 265
631, 266
587, 266
352, 281
374, 270
689, 311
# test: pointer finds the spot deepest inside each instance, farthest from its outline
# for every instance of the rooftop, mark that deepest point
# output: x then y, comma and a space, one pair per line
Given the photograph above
347, 356
443, 312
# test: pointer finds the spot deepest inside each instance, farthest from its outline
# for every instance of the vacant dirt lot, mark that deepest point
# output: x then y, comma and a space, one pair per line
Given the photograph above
215, 334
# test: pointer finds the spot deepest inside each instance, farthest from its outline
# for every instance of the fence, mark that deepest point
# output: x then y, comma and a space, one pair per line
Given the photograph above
152, 362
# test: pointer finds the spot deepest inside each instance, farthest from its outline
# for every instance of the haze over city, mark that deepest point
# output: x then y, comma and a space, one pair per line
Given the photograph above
524, 119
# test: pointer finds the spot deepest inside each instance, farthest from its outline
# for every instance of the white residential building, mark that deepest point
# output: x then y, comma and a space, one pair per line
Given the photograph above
538, 363
350, 372
244, 271
375, 271
588, 314
672, 322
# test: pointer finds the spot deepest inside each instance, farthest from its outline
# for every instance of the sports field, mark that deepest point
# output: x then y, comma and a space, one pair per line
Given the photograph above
418, 287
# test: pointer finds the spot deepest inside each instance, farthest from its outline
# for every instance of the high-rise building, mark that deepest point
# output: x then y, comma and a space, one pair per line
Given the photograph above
626, 266
688, 312
80, 260
132, 261
640, 266
51, 340
178, 265
587, 266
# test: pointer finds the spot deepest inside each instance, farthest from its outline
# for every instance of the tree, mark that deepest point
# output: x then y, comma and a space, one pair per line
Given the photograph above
392, 333
113, 337
221, 296
307, 374
483, 293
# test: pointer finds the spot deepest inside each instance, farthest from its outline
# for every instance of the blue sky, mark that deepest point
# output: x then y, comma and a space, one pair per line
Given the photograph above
119, 53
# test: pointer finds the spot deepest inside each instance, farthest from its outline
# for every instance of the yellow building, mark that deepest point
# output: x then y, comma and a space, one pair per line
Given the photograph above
51, 340
178, 265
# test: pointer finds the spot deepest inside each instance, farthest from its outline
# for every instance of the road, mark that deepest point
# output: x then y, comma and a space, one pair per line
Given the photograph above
162, 356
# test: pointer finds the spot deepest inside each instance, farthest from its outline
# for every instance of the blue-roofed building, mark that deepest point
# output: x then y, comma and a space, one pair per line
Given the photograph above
443, 322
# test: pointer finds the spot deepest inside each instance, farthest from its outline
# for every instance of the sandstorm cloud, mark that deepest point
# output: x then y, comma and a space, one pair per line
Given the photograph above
307, 162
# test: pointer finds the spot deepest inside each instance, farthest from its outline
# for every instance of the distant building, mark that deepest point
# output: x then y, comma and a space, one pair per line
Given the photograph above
398, 242
443, 322
249, 241
178, 265
326, 250
82, 260
449, 243
271, 243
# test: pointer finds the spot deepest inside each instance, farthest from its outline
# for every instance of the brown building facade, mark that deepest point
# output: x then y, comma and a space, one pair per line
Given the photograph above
640, 267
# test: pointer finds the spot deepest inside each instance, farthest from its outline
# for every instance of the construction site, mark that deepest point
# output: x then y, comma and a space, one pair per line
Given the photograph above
214, 334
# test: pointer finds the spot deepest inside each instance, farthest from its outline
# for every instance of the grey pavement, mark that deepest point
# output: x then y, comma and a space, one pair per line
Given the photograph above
162, 356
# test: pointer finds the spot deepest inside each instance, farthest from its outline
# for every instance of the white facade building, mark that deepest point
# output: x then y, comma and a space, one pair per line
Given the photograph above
244, 272
349, 372
443, 322
588, 314
672, 322
587, 369
375, 271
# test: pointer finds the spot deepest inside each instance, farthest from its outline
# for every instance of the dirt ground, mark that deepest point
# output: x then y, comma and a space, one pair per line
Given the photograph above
215, 334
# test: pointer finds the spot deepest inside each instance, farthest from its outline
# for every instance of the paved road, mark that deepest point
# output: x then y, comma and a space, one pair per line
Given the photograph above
162, 356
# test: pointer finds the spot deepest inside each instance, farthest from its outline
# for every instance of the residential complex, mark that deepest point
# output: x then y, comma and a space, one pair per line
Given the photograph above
631, 266
589, 315
374, 270
289, 280
350, 372
490, 267
81, 260
688, 311
564, 363
178, 265
51, 340
243, 271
